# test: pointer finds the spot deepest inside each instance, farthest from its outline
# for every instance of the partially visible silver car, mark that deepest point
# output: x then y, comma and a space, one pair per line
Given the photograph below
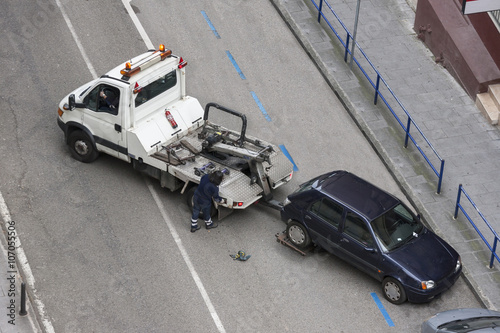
462, 321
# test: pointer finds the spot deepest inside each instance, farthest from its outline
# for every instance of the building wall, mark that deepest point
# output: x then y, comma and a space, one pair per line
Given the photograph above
488, 33
455, 43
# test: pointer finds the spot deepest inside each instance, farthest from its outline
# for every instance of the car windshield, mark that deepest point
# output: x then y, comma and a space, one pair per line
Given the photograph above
396, 227
470, 325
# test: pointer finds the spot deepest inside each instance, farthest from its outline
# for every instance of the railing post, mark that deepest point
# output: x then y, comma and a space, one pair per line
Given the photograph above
319, 10
376, 89
493, 251
440, 177
458, 201
346, 47
407, 132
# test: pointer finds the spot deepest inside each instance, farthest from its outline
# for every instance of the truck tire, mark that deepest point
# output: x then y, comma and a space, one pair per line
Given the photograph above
189, 202
81, 147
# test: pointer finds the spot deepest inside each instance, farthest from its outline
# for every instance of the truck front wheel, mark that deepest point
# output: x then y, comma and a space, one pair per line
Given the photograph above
81, 147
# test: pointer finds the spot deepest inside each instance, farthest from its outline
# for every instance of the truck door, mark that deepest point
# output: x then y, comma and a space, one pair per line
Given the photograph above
102, 116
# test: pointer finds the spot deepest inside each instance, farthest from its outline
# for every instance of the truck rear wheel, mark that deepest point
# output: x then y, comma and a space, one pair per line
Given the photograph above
189, 201
81, 147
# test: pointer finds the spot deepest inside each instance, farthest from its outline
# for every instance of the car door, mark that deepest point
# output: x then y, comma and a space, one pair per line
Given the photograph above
357, 244
323, 218
102, 120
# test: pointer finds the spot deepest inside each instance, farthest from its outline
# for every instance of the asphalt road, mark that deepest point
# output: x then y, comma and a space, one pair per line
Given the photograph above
110, 250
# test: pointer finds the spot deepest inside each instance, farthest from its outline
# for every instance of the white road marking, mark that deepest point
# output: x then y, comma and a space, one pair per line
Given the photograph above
77, 40
138, 24
22, 263
171, 227
185, 256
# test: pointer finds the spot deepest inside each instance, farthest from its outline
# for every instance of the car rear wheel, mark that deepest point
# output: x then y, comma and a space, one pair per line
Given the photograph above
298, 235
393, 291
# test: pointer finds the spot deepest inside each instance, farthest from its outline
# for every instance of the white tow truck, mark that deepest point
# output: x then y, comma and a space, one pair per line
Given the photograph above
139, 112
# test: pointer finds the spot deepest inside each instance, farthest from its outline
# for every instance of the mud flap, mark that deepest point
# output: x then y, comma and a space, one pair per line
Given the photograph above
222, 212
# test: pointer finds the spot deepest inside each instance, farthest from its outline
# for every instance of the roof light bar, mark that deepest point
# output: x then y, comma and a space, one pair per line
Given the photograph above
155, 57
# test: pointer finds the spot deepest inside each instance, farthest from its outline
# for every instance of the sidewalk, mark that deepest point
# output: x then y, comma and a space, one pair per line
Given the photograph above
444, 112
10, 283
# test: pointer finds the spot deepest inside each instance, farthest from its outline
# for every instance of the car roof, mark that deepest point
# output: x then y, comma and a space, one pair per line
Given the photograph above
356, 193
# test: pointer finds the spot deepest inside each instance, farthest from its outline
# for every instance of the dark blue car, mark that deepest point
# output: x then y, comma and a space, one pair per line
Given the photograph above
374, 231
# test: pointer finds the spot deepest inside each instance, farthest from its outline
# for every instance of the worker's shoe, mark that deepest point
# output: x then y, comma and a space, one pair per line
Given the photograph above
211, 225
195, 227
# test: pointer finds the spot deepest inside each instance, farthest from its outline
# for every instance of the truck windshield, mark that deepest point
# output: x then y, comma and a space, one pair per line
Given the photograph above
155, 88
396, 227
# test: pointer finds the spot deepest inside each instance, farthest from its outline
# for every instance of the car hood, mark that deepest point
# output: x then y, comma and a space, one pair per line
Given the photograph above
427, 257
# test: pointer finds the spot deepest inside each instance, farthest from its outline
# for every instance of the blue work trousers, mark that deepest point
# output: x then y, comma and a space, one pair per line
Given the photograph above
203, 207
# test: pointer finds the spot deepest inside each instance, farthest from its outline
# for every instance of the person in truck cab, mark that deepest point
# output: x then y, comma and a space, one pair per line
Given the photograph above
109, 100
202, 199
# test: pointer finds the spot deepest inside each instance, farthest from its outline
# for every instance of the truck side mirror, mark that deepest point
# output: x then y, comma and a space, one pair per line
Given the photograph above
71, 102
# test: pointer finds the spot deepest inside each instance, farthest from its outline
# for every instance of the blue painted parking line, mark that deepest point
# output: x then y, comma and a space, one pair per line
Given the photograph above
230, 56
285, 152
261, 107
210, 24
382, 309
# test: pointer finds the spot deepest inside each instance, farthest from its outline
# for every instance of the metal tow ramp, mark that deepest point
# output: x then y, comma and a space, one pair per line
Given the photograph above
283, 239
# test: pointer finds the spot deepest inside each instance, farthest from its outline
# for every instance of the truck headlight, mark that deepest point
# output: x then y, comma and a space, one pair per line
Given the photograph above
428, 285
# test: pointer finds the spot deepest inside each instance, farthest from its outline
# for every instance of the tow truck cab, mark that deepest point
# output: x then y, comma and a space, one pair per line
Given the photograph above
132, 119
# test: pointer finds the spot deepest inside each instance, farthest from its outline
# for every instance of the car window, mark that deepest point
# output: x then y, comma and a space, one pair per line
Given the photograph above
328, 210
357, 228
396, 227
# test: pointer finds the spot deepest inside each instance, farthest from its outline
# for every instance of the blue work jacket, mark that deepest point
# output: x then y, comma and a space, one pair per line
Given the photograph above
205, 191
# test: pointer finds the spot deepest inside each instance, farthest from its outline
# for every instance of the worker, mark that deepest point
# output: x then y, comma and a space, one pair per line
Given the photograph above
202, 199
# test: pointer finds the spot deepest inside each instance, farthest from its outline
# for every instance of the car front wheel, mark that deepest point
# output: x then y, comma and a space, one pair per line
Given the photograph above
298, 235
393, 291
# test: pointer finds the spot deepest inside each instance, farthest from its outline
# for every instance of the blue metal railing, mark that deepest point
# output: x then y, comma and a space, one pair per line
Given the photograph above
379, 79
493, 248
